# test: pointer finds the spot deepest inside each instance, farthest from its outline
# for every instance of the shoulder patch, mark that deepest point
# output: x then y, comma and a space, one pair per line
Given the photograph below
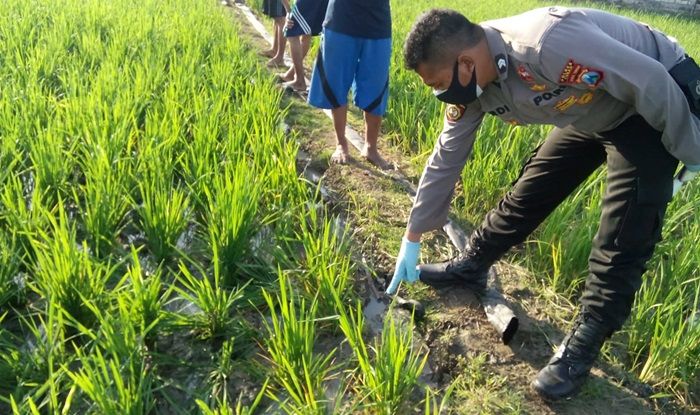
454, 112
575, 73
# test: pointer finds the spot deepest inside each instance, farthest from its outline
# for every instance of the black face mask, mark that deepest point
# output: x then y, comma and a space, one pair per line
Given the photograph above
458, 94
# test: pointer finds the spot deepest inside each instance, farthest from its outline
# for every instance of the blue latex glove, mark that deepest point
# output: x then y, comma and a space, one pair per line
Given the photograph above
406, 263
685, 175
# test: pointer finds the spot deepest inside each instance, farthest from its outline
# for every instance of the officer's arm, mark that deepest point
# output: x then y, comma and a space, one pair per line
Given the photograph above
628, 75
442, 170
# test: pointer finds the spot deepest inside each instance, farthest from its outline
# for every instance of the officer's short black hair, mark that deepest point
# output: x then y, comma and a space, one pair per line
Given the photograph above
439, 35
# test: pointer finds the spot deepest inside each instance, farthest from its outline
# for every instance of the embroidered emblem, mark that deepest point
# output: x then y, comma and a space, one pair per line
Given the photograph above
565, 104
592, 78
501, 63
585, 98
524, 74
454, 112
575, 73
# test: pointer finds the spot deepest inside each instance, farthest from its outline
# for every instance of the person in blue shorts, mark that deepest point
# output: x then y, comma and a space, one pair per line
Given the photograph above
305, 20
355, 52
276, 9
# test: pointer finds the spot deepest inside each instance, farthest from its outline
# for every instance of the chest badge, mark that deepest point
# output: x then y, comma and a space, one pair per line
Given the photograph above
538, 87
524, 74
575, 73
454, 112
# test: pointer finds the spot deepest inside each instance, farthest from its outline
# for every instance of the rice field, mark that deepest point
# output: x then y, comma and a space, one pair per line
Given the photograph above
160, 252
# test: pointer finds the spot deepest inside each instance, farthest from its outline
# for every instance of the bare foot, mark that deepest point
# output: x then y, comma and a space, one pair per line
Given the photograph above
341, 155
276, 63
285, 77
268, 53
296, 86
375, 158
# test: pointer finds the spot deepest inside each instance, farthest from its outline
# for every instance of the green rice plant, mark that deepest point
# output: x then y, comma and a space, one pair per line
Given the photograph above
216, 302
218, 377
10, 263
144, 296
116, 373
118, 331
28, 407
296, 369
105, 199
37, 359
65, 273
664, 337
113, 385
432, 406
325, 261
232, 203
388, 371
53, 162
164, 216
223, 408
8, 359
23, 216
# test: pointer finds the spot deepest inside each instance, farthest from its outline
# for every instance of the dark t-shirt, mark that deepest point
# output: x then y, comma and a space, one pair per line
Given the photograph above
360, 18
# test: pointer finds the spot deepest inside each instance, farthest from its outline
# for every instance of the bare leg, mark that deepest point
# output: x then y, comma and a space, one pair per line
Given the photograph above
341, 154
273, 50
291, 72
373, 124
295, 46
305, 45
280, 41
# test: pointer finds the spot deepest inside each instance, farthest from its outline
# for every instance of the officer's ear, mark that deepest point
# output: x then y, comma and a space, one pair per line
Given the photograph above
466, 60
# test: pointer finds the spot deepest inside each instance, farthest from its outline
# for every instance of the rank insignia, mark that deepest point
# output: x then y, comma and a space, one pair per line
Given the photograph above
575, 73
565, 104
454, 112
585, 98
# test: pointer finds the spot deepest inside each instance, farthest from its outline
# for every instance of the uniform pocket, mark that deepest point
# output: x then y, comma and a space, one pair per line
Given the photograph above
642, 223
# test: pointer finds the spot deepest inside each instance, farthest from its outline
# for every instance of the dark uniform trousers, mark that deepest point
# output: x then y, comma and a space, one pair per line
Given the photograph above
639, 187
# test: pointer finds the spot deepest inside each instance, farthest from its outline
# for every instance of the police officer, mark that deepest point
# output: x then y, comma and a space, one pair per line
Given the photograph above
603, 81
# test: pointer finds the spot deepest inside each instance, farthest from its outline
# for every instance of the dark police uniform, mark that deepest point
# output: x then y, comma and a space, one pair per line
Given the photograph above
603, 81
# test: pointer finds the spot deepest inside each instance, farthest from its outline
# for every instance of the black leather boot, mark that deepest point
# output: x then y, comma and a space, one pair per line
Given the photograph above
571, 364
468, 269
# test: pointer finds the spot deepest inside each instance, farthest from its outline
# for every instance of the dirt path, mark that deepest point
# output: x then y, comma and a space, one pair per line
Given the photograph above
492, 377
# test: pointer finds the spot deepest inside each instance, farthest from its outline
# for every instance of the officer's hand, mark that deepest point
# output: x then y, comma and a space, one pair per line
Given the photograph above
687, 173
406, 263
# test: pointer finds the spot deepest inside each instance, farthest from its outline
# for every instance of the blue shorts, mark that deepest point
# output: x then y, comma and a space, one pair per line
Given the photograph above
307, 16
346, 62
